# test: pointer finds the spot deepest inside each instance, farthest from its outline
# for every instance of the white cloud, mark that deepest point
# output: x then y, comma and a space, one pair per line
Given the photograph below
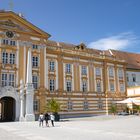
117, 42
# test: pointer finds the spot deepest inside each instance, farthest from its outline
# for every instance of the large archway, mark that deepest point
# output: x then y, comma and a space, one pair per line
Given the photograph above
7, 109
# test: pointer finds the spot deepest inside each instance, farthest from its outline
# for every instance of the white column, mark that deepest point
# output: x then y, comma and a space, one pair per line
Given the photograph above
29, 116
21, 118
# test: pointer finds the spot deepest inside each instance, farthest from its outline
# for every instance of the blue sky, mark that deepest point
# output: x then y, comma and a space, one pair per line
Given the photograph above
101, 24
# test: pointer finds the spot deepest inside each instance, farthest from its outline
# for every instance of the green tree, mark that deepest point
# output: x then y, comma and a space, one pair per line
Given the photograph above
53, 106
138, 109
113, 109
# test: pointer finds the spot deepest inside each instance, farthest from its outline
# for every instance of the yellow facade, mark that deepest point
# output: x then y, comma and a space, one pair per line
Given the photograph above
87, 88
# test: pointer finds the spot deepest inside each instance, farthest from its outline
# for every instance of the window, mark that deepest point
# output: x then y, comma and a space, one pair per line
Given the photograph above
70, 105
84, 70
127, 77
100, 104
11, 80
84, 86
52, 85
112, 86
4, 79
35, 61
134, 77
120, 72
8, 58
9, 42
12, 58
35, 81
98, 86
111, 72
36, 105
69, 85
98, 71
5, 58
68, 68
51, 65
122, 88
35, 46
7, 79
85, 107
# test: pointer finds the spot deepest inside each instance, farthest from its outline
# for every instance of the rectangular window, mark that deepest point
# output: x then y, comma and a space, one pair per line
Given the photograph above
36, 105
4, 79
98, 86
120, 72
84, 86
68, 85
35, 81
9, 42
111, 72
68, 68
11, 80
122, 88
35, 46
85, 105
12, 58
5, 58
52, 65
70, 105
8, 79
112, 86
52, 85
84, 70
98, 71
35, 61
134, 77
127, 77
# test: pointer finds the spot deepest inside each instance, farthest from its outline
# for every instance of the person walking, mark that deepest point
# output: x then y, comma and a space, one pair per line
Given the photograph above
47, 117
41, 119
52, 117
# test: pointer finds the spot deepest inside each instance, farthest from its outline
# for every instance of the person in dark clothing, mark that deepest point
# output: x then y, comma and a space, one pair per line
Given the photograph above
47, 117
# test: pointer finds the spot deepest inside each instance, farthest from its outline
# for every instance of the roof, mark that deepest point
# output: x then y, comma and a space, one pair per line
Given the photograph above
132, 59
20, 18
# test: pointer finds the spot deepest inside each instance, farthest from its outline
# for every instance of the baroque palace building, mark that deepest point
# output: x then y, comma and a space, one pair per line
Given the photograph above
85, 81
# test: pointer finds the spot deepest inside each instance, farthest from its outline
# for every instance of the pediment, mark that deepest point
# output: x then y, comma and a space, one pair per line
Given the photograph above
10, 20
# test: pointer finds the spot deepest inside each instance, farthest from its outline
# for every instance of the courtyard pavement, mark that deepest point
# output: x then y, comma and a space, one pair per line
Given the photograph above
89, 128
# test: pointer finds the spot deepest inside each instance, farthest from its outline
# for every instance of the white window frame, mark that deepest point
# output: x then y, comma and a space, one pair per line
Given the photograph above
51, 65
35, 81
8, 79
84, 86
98, 71
98, 86
84, 70
35, 61
36, 105
68, 68
4, 57
52, 85
69, 85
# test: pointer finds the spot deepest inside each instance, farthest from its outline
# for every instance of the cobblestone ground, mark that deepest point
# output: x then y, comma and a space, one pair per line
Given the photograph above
91, 128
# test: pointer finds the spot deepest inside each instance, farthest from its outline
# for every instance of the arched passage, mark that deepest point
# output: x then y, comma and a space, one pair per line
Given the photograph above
7, 109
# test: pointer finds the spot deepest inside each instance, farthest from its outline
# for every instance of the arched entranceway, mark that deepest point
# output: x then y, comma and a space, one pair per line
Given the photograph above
7, 109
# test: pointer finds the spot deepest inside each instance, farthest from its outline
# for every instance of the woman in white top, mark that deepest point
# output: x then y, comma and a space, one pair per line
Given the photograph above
52, 118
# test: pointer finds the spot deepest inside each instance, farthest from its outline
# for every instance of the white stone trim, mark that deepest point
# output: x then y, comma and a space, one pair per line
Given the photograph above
56, 65
45, 68
72, 77
64, 76
88, 78
47, 86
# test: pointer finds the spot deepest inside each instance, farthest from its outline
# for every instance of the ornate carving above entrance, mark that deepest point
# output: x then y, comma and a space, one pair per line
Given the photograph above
9, 91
